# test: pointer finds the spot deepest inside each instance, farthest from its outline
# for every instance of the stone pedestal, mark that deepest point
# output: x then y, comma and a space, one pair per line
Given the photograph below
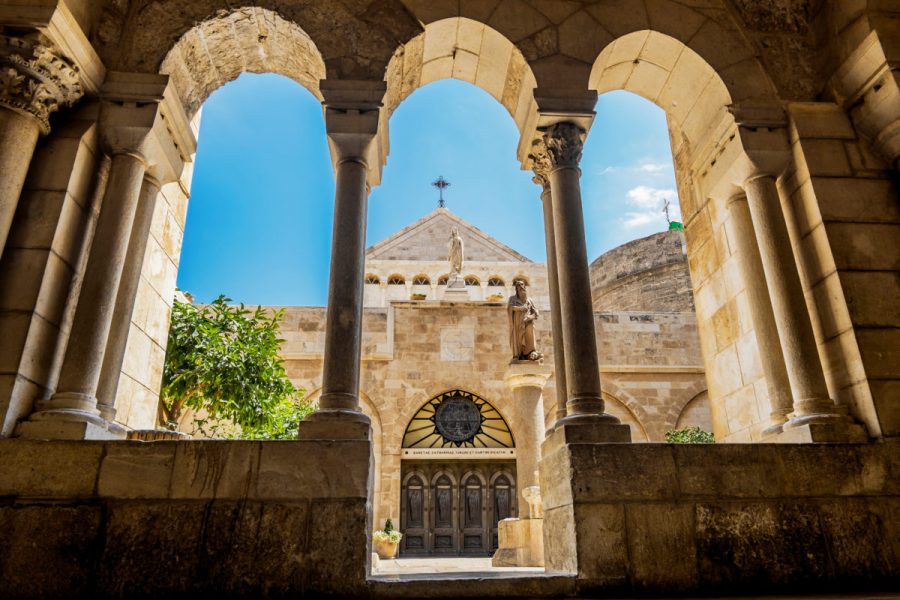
527, 379
456, 290
521, 543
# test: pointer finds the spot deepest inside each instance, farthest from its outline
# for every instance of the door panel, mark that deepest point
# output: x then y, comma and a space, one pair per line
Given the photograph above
452, 508
444, 524
413, 520
473, 513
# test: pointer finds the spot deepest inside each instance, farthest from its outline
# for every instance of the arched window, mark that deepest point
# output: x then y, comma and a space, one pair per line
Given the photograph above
443, 279
495, 281
421, 280
370, 278
458, 419
396, 280
472, 280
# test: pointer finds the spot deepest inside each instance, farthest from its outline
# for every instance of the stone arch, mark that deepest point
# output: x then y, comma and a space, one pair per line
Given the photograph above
696, 413
468, 50
620, 409
257, 40
356, 40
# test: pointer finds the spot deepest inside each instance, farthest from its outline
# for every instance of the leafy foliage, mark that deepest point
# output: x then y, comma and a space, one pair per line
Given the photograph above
223, 361
691, 435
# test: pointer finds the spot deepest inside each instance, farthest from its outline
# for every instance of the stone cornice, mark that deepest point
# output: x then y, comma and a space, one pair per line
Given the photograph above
35, 79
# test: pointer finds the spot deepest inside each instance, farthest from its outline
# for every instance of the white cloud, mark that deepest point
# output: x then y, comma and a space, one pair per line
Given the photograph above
646, 167
649, 202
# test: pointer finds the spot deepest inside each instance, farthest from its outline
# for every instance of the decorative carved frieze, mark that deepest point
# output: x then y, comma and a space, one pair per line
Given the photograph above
540, 163
35, 79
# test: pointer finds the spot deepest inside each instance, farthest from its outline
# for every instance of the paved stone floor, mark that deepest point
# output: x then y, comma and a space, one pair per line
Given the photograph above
474, 567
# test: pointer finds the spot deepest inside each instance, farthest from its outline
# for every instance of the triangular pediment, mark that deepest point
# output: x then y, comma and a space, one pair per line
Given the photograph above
427, 238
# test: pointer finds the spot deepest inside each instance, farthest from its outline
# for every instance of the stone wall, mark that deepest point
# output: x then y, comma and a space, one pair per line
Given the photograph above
183, 519
648, 274
635, 519
650, 364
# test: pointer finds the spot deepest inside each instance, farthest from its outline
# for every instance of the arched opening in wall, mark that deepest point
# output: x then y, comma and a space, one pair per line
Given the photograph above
656, 218
618, 409
248, 81
696, 413
458, 458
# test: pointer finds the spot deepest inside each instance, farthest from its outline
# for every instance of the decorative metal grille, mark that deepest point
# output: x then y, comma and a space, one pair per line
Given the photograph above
457, 419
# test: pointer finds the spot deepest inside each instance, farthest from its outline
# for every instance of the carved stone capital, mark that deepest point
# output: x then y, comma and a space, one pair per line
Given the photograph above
35, 79
540, 164
563, 143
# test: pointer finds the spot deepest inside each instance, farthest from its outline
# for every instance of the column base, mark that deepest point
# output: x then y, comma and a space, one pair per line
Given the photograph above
838, 431
590, 429
67, 430
340, 424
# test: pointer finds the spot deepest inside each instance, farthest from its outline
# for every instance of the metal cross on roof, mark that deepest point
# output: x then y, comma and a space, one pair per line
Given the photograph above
440, 183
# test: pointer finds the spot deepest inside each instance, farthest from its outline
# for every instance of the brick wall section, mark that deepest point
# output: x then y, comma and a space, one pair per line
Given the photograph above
649, 274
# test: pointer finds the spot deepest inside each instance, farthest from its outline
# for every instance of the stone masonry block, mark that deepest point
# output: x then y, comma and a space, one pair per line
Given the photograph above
727, 471
661, 547
57, 540
602, 549
214, 469
755, 545
152, 548
313, 469
617, 472
338, 546
137, 470
37, 469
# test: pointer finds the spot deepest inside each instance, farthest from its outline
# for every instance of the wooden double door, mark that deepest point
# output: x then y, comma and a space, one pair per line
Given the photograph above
452, 508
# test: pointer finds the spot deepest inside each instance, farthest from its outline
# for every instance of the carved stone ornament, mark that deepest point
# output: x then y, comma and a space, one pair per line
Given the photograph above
540, 163
564, 142
35, 79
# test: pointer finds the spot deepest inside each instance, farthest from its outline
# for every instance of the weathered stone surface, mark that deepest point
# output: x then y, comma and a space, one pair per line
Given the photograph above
215, 470
136, 470
49, 469
42, 540
661, 547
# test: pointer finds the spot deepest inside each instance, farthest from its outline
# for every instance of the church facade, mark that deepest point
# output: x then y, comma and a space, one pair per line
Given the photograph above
424, 345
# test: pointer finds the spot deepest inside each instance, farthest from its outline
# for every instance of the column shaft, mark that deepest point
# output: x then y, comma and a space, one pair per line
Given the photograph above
125, 299
18, 138
798, 344
343, 321
767, 339
577, 312
80, 375
559, 352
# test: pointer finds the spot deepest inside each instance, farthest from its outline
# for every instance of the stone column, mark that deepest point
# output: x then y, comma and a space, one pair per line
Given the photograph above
542, 178
35, 80
560, 150
351, 119
125, 298
771, 357
72, 412
811, 403
527, 379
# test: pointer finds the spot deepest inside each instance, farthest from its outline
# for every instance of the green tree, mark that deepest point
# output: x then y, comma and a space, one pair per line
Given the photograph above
223, 360
691, 435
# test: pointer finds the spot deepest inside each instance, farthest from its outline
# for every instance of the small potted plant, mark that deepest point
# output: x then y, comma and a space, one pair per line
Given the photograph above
386, 541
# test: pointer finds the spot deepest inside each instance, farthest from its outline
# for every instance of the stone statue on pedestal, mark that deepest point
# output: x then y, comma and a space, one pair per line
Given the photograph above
455, 253
522, 315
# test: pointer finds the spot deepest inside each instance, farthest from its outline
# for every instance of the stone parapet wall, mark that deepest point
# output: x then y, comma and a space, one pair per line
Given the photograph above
172, 519
649, 274
672, 519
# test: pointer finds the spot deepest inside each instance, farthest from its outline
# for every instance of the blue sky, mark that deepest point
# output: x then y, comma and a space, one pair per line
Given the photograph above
259, 220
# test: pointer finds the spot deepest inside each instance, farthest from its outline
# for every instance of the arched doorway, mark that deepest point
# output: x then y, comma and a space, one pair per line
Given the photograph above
458, 477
